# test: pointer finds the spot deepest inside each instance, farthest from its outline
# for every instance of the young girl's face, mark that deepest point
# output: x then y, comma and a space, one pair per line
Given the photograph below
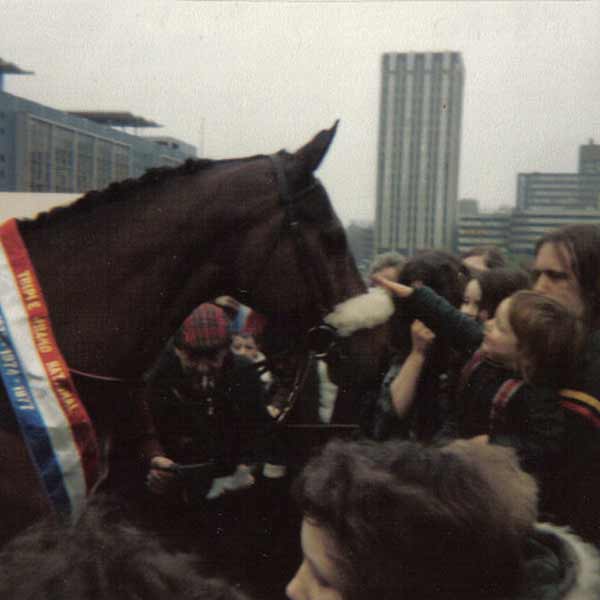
244, 345
471, 299
499, 341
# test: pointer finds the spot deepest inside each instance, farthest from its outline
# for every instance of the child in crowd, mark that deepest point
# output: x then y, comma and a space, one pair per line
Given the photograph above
420, 362
532, 342
483, 293
487, 289
245, 344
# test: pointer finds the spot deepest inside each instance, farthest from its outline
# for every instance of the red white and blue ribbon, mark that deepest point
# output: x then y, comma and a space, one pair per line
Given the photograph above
55, 425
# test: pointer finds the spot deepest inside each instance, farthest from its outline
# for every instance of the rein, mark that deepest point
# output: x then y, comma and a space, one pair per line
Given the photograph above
106, 378
319, 338
291, 225
291, 221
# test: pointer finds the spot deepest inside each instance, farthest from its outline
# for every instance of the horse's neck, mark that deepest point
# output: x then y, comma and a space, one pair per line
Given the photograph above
119, 281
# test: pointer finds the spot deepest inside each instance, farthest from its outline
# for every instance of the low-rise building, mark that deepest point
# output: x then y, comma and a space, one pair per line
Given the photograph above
43, 149
482, 228
527, 227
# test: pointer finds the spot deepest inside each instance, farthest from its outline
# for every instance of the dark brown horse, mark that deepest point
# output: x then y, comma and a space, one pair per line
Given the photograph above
122, 268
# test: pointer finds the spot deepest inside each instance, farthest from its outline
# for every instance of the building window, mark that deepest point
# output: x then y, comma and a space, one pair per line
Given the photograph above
39, 156
63, 143
85, 163
121, 162
104, 169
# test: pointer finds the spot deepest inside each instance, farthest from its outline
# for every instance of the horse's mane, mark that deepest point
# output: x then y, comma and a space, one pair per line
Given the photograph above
119, 190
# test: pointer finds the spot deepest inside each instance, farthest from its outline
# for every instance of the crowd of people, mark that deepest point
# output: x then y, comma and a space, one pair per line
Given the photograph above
519, 367
474, 472
487, 422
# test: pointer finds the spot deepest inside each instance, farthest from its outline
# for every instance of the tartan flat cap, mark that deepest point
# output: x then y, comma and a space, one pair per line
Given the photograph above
205, 328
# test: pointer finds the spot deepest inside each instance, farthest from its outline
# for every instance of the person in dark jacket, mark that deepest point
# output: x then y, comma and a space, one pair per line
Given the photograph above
508, 392
420, 363
207, 403
567, 268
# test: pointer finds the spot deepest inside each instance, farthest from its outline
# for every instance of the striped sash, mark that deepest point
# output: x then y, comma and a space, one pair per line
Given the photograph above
55, 425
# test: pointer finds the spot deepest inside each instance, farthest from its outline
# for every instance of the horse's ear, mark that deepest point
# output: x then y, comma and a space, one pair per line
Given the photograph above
311, 154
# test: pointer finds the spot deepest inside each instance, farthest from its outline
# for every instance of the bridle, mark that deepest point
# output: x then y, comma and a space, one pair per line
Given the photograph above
320, 339
290, 226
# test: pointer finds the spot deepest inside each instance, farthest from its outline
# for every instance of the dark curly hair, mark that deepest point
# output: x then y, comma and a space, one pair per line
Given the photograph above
444, 274
101, 557
500, 283
409, 521
441, 271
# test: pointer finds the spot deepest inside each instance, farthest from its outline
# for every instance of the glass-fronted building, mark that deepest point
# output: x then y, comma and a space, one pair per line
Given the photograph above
47, 150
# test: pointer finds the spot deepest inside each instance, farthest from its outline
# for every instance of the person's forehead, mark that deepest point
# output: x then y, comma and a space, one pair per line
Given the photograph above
553, 257
200, 353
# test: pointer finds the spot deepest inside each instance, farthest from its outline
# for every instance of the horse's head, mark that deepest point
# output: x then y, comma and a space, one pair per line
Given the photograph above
294, 263
136, 258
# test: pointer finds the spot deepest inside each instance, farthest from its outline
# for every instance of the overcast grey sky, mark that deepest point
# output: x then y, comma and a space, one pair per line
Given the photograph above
240, 78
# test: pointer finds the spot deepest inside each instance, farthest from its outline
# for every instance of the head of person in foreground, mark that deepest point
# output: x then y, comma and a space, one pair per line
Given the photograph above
99, 556
399, 521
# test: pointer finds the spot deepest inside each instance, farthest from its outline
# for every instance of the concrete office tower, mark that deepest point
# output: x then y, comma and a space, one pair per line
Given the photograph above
418, 150
589, 158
